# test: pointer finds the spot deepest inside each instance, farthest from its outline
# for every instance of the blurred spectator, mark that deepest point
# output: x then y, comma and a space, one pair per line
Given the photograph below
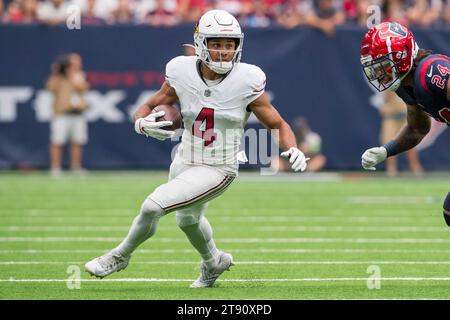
162, 15
424, 12
350, 8
394, 10
89, 16
446, 14
20, 11
123, 13
191, 10
14, 12
29, 11
68, 85
291, 13
101, 8
309, 142
357, 11
235, 7
322, 14
258, 15
143, 7
52, 12
393, 115
325, 15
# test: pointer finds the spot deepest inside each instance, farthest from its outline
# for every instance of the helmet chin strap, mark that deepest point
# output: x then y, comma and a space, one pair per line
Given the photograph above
397, 83
220, 67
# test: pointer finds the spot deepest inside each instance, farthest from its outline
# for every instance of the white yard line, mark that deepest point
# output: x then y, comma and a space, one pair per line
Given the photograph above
234, 250
124, 213
63, 228
243, 262
353, 229
287, 177
235, 240
390, 200
402, 229
126, 219
232, 280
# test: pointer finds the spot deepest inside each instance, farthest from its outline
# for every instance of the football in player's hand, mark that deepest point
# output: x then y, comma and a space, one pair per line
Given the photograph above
171, 114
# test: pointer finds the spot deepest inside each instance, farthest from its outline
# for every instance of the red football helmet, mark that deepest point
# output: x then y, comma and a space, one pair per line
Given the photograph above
387, 54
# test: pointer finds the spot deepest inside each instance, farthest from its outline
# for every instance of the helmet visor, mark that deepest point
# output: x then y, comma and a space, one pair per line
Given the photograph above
381, 72
222, 56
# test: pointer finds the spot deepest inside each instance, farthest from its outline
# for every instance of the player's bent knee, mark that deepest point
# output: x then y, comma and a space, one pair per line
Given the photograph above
151, 209
184, 220
447, 209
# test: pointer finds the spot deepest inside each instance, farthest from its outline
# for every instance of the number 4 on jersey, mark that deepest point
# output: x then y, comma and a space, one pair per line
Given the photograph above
203, 126
437, 80
444, 112
443, 70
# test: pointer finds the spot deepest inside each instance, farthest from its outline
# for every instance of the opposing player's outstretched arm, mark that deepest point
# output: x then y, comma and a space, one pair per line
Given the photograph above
417, 126
165, 95
280, 130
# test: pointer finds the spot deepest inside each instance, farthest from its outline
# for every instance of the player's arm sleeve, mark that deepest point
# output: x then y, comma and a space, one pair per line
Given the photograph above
401, 93
256, 85
172, 70
417, 126
435, 79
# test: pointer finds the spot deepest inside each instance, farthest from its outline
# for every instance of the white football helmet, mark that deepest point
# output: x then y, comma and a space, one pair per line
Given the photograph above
217, 24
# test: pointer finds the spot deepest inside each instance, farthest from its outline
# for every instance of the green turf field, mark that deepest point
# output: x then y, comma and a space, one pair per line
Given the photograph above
290, 238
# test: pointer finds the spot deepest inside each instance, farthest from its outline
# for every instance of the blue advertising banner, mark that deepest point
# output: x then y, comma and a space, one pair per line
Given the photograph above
308, 74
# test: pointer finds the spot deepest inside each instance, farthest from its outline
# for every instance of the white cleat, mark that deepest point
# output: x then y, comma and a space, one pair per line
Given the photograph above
209, 276
106, 264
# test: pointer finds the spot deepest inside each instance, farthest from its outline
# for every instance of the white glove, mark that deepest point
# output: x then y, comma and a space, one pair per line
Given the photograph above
149, 127
372, 157
296, 158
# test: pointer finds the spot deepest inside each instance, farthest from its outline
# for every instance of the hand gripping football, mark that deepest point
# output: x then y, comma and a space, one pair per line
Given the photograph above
171, 114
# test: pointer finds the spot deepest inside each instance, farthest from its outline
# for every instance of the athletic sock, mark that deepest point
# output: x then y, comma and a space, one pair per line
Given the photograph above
200, 236
144, 226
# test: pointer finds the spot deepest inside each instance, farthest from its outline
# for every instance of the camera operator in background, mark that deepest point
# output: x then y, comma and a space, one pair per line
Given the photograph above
68, 85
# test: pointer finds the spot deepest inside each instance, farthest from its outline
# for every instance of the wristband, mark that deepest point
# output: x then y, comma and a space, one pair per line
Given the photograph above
391, 148
137, 126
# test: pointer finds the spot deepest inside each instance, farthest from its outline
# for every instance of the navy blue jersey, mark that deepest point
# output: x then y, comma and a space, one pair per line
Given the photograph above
429, 93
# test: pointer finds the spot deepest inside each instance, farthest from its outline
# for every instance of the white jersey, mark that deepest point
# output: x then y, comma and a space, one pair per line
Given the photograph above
214, 116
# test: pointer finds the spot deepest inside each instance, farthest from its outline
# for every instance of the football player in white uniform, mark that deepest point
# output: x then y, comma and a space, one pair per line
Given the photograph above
216, 94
